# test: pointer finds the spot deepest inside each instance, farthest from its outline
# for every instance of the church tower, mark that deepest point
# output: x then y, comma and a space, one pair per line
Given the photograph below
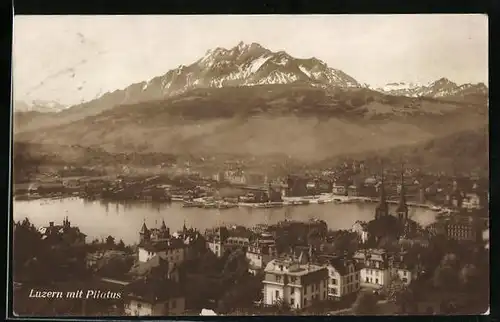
164, 231
144, 233
402, 209
382, 208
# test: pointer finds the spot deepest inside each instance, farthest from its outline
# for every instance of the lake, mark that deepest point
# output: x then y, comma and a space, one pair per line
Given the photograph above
122, 220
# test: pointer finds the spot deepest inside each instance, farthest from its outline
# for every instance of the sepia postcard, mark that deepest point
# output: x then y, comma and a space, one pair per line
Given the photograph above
215, 165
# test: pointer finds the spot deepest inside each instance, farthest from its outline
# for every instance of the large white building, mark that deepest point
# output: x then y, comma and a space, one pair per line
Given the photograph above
174, 251
299, 285
344, 276
375, 272
379, 268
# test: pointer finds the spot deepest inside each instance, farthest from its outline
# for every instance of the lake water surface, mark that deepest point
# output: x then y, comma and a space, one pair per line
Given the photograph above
98, 219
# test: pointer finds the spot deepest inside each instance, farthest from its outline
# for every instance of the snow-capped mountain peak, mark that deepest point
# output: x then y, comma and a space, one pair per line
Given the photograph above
247, 64
442, 87
38, 106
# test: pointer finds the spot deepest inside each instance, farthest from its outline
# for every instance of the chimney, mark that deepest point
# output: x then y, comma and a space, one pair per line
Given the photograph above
51, 224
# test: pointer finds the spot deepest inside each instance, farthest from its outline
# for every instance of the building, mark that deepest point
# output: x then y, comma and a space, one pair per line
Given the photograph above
235, 177
174, 250
402, 269
261, 252
361, 228
216, 240
299, 285
462, 229
154, 234
344, 276
146, 297
353, 191
158, 242
375, 272
338, 189
297, 186
64, 234
471, 201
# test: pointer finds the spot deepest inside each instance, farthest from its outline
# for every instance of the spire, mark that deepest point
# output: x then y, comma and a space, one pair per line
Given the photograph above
144, 228
184, 229
163, 226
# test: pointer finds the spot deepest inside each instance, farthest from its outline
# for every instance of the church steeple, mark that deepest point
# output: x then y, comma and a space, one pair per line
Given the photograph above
144, 233
402, 209
144, 228
382, 207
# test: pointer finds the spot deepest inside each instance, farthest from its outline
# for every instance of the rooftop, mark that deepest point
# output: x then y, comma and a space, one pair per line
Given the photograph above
291, 267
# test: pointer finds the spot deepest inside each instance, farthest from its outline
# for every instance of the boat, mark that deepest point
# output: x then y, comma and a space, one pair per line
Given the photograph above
227, 205
190, 204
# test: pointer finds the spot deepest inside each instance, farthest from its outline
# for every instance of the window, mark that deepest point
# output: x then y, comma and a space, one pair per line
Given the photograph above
367, 280
292, 302
277, 294
305, 290
404, 273
139, 305
305, 302
376, 281
281, 268
278, 278
334, 291
293, 279
324, 294
405, 280
334, 281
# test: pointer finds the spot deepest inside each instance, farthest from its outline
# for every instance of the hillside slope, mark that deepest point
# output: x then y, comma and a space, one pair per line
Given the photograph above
304, 122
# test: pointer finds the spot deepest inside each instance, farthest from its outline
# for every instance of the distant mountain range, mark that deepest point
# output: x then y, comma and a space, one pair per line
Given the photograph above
38, 106
251, 65
441, 88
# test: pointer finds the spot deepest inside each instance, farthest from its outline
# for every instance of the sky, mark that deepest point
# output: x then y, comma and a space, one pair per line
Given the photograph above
71, 59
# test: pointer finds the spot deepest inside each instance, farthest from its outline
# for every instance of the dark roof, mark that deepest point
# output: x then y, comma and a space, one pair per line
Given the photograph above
163, 245
153, 290
340, 264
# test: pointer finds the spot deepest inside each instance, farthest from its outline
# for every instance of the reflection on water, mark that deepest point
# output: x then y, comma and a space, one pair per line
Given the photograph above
98, 218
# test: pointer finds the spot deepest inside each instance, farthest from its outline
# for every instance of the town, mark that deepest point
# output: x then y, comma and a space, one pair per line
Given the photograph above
388, 265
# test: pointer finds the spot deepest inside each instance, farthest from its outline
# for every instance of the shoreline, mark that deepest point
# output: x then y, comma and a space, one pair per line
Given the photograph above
287, 201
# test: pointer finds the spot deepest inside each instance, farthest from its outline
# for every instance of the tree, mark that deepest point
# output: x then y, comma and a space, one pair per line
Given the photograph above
469, 276
395, 287
446, 274
120, 245
110, 241
365, 304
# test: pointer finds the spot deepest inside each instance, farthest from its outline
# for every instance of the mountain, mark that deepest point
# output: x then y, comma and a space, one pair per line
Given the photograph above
243, 65
38, 106
302, 121
248, 100
442, 88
